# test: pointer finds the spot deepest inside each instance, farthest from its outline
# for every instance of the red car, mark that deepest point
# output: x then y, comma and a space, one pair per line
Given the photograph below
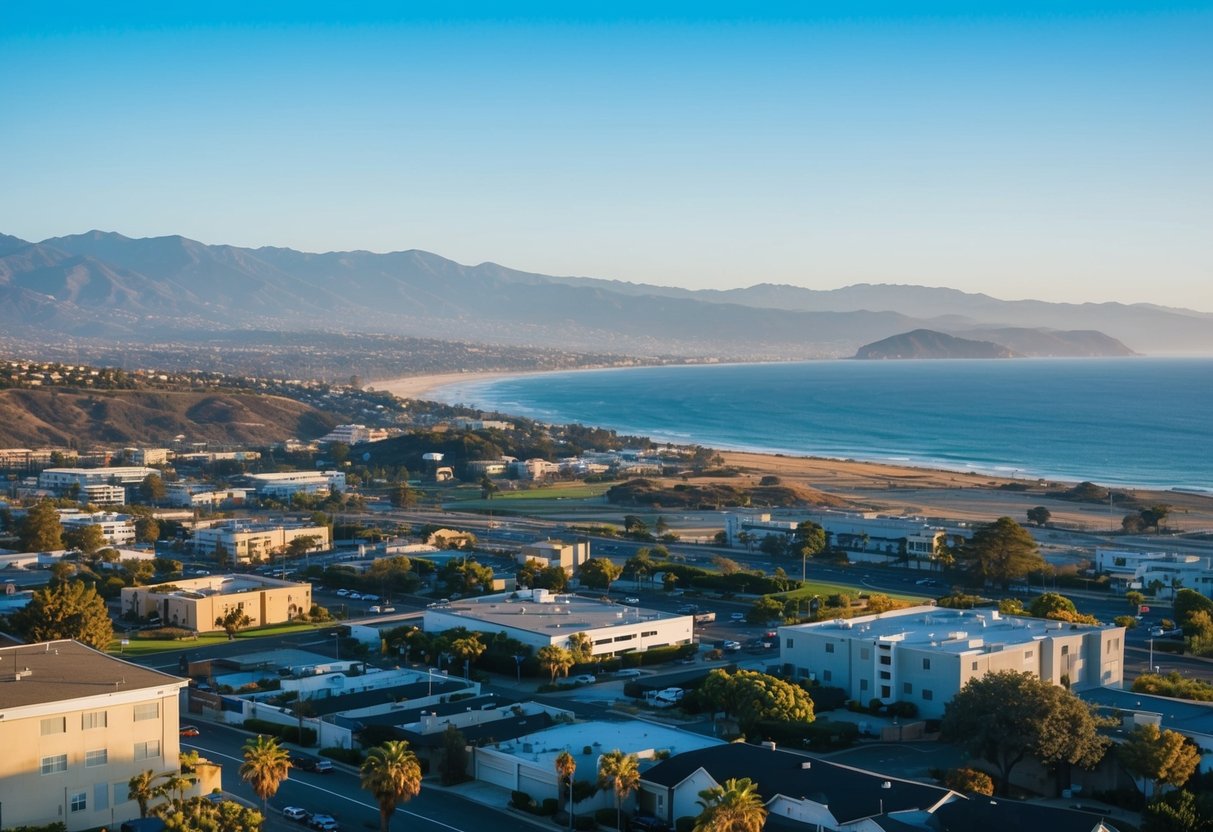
189, 731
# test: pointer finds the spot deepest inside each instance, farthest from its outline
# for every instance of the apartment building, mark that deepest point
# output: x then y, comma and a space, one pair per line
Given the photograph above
925, 655
118, 529
556, 553
196, 603
76, 725
249, 541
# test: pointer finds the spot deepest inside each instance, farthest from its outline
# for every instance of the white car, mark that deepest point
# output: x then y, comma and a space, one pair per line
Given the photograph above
732, 646
344, 593
631, 600
737, 616
355, 596
627, 673
581, 679
296, 813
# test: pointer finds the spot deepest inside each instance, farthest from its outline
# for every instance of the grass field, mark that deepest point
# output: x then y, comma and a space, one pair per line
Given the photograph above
572, 491
824, 589
148, 646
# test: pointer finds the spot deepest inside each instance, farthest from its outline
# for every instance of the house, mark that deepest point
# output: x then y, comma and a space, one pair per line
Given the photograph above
797, 789
76, 725
556, 553
539, 618
196, 603
924, 655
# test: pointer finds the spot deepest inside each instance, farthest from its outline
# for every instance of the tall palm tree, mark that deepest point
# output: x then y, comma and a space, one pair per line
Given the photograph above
141, 789
468, 649
734, 807
392, 774
175, 784
565, 768
266, 765
555, 659
621, 773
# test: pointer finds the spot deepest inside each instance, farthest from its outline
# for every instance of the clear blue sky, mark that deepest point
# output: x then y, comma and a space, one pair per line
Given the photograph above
1059, 150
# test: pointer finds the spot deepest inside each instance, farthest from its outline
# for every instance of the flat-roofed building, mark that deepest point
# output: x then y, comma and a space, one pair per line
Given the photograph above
248, 541
539, 618
925, 655
76, 725
118, 529
64, 480
196, 603
286, 484
556, 553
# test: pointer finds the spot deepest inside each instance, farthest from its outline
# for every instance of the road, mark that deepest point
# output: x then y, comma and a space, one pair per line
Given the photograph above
339, 795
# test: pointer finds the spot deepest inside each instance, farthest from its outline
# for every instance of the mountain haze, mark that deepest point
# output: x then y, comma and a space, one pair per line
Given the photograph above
104, 285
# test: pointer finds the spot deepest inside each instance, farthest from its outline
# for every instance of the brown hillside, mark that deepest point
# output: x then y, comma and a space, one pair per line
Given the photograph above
36, 418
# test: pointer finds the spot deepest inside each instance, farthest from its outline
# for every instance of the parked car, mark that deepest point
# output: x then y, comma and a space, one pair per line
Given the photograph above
732, 646
1160, 632
322, 767
627, 673
581, 679
631, 599
324, 823
344, 593
189, 731
355, 596
296, 813
737, 616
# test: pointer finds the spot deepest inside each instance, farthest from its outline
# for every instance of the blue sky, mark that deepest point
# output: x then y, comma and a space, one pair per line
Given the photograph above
1051, 150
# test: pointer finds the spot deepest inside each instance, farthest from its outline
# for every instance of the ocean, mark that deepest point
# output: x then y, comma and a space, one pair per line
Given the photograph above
1135, 422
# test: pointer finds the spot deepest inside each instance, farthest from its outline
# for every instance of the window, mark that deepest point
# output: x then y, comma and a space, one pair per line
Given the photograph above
826, 675
54, 725
93, 719
885, 675
974, 665
101, 796
907, 688
1027, 654
96, 758
78, 802
149, 710
886, 660
54, 763
1065, 649
863, 684
885, 692
829, 648
926, 664
627, 637
789, 644
648, 633
928, 695
147, 750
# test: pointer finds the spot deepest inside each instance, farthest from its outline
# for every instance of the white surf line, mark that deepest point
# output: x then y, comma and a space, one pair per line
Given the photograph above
373, 807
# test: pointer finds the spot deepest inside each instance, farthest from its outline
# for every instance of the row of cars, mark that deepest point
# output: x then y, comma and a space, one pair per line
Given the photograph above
322, 822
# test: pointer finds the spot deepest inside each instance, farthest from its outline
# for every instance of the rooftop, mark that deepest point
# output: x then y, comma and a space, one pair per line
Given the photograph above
1176, 714
631, 737
948, 630
400, 694
549, 614
58, 671
219, 585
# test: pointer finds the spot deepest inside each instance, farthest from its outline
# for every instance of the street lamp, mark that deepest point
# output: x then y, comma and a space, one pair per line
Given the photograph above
337, 642
519, 658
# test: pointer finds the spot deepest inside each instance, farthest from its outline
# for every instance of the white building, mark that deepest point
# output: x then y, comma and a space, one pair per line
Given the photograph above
1139, 570
63, 480
146, 456
924, 655
533, 469
855, 532
288, 483
539, 618
199, 495
248, 540
118, 529
353, 435
556, 553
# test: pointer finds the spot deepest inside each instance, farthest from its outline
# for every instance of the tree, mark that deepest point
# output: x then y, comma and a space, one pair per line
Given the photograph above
401, 496
1152, 517
1134, 599
40, 529
67, 610
566, 766
753, 697
147, 529
1039, 515
468, 650
1178, 811
233, 621
638, 565
266, 764
969, 781
151, 490
1006, 716
222, 556
142, 789
775, 545
621, 773
727, 566
554, 659
1187, 602
1059, 608
454, 765
765, 609
199, 814
487, 488
302, 544
1131, 524
599, 573
85, 539
1166, 758
1001, 552
581, 646
734, 807
392, 775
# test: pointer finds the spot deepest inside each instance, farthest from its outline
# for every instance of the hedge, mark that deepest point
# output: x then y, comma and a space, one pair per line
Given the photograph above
286, 733
343, 755
820, 735
826, 698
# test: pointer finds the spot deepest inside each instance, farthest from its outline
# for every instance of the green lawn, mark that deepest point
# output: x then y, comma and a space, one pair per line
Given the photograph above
572, 491
148, 646
825, 589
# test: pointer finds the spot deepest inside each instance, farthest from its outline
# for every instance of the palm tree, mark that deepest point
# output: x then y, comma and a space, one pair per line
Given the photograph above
621, 773
555, 659
175, 784
266, 765
581, 646
566, 766
392, 774
141, 790
734, 807
469, 649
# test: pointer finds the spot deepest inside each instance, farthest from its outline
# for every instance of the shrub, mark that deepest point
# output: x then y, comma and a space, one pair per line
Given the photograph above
686, 823
287, 733
606, 817
825, 698
905, 710
585, 823
549, 806
969, 781
820, 735
168, 634
521, 800
344, 755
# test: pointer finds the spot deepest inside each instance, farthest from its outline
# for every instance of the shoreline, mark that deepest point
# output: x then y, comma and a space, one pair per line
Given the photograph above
416, 387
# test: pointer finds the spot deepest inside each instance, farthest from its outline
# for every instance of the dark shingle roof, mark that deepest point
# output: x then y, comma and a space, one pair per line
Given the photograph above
57, 671
1000, 815
365, 699
850, 793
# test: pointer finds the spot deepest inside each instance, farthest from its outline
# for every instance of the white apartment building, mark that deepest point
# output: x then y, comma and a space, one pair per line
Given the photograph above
76, 725
199, 495
103, 495
533, 469
353, 435
118, 529
248, 540
925, 655
62, 480
859, 532
288, 483
1139, 570
539, 618
556, 553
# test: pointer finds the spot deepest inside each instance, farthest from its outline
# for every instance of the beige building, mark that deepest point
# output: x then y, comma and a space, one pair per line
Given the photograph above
194, 604
556, 553
75, 726
247, 541
925, 655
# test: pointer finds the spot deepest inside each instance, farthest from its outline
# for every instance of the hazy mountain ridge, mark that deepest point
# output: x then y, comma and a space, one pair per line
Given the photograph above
926, 343
106, 285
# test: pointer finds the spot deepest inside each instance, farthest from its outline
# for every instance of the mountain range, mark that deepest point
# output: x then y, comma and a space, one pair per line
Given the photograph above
103, 285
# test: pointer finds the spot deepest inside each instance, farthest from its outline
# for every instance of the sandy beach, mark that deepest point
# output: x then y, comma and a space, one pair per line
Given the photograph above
902, 489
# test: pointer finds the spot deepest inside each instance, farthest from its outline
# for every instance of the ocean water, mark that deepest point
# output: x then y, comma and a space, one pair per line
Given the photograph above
1145, 422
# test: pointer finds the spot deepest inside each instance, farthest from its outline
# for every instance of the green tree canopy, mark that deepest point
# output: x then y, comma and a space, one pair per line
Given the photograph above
1007, 716
266, 764
40, 529
1039, 515
599, 573
147, 529
85, 539
233, 621
734, 807
753, 697
1001, 552
554, 659
1162, 757
392, 775
67, 610
1188, 601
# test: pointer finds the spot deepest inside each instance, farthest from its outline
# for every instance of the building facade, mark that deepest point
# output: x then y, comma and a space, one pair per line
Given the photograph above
556, 553
197, 603
76, 725
285, 485
63, 481
247, 541
925, 655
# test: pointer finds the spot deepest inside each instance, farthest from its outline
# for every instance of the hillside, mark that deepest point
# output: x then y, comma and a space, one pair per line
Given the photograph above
65, 417
107, 286
925, 343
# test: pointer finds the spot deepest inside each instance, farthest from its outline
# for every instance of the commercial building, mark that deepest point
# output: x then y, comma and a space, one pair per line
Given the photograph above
196, 603
1163, 571
556, 553
250, 541
856, 532
146, 456
65, 481
118, 529
925, 655
200, 495
76, 725
353, 435
286, 484
539, 618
